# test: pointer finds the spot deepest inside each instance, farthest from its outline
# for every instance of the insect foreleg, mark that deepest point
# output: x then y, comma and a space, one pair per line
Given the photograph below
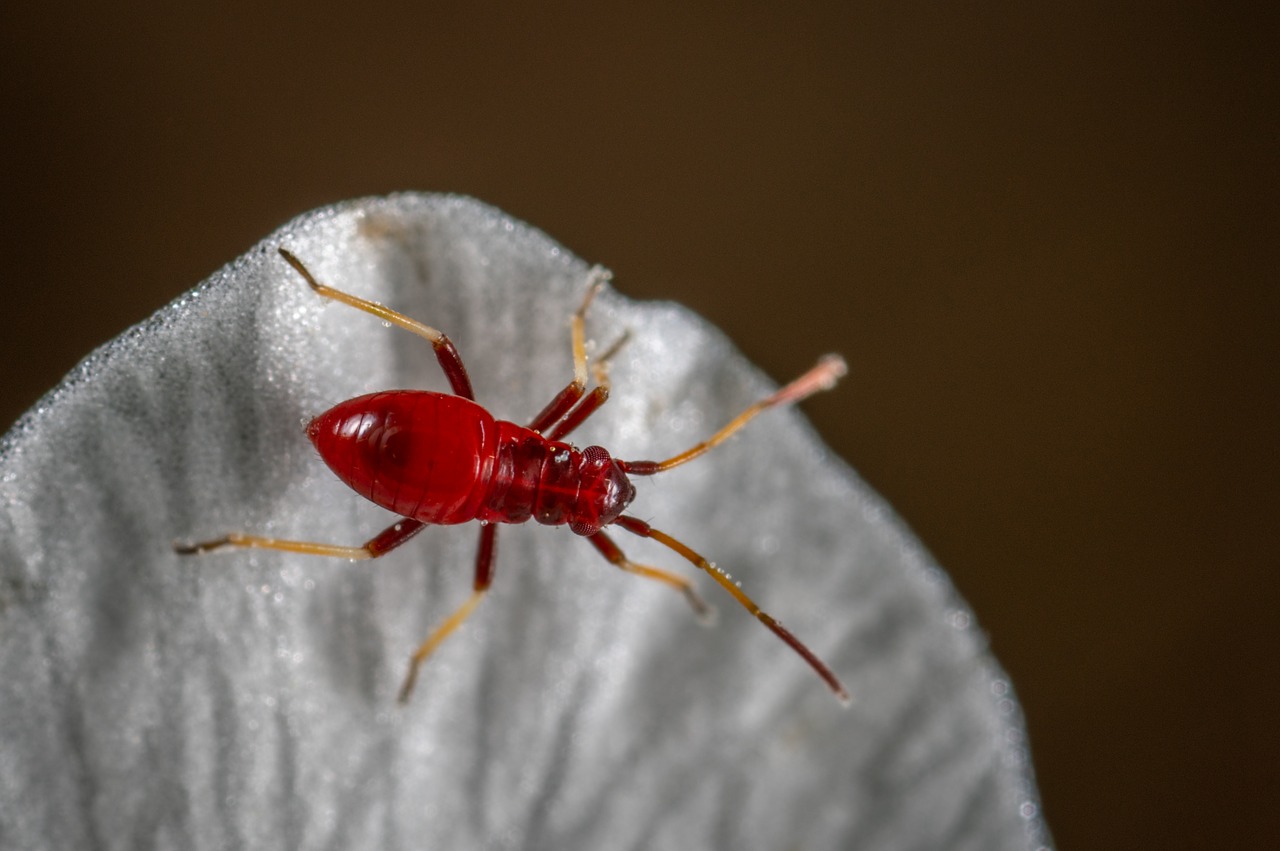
617, 558
560, 404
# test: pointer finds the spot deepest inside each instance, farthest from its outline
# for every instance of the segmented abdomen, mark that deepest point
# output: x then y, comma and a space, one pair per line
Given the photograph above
420, 454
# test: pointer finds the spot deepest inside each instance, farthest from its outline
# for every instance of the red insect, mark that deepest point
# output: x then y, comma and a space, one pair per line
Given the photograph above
440, 459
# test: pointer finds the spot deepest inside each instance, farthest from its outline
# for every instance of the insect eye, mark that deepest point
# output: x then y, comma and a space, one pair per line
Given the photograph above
596, 454
584, 529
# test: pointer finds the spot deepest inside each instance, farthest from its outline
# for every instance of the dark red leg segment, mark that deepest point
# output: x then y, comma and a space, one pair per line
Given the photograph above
579, 414
486, 550
393, 536
451, 365
557, 407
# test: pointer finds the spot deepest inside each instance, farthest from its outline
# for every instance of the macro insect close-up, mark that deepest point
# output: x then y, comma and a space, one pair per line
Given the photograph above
440, 459
246, 696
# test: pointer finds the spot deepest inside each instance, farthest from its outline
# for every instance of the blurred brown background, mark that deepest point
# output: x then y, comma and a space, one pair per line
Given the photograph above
1043, 236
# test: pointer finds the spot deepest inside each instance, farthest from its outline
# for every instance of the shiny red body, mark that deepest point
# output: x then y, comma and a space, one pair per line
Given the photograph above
443, 459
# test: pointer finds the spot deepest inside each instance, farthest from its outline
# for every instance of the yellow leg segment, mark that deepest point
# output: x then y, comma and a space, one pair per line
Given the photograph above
235, 539
381, 311
446, 352
434, 640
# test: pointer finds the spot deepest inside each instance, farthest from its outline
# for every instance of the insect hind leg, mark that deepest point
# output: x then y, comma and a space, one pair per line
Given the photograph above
446, 353
379, 545
485, 553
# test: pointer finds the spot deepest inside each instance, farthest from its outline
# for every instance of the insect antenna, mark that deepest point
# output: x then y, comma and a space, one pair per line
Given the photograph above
822, 376
644, 530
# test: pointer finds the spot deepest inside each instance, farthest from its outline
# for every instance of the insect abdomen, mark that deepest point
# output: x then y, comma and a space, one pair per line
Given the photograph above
423, 455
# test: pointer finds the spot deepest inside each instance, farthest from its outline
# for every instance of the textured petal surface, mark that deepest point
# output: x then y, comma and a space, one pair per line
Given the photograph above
246, 699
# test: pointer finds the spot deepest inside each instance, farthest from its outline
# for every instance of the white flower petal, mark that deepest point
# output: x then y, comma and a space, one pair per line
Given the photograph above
246, 699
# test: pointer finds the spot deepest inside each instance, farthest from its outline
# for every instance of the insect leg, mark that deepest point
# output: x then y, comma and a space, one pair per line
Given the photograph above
446, 352
644, 530
617, 558
572, 392
593, 401
381, 544
484, 576
823, 376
